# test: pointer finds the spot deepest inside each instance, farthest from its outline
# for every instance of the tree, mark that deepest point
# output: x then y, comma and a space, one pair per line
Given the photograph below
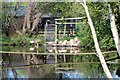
114, 28
32, 18
99, 53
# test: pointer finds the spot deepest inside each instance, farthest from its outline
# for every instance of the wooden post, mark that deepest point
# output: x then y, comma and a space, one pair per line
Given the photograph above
37, 47
64, 29
76, 25
55, 31
56, 41
64, 58
59, 34
99, 53
45, 32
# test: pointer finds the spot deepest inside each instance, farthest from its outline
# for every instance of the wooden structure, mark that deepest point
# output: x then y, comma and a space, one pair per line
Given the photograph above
99, 53
63, 21
55, 29
56, 54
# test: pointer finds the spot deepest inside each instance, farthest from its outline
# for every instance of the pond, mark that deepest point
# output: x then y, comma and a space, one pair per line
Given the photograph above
82, 66
78, 70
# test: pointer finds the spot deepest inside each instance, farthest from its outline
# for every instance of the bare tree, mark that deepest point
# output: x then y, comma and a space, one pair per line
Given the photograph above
32, 18
10, 19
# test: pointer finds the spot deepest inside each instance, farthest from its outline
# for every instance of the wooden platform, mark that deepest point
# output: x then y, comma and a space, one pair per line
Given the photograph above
64, 68
10, 52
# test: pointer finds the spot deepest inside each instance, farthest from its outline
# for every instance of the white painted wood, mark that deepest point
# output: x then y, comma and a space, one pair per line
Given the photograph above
69, 18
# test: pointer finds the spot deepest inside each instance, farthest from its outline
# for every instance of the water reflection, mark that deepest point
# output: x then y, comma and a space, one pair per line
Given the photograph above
8, 73
118, 71
81, 70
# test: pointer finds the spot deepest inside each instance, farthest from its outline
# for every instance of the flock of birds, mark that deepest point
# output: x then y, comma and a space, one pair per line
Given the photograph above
35, 46
72, 43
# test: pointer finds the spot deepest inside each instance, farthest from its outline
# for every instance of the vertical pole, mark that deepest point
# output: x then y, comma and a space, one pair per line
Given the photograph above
56, 41
45, 30
37, 47
75, 25
64, 29
64, 58
55, 31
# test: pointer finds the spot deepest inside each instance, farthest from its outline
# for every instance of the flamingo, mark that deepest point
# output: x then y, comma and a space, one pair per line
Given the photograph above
60, 42
76, 41
32, 49
32, 41
76, 50
71, 43
62, 50
50, 50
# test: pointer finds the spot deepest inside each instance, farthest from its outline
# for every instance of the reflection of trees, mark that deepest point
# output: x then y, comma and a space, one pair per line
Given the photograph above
40, 72
0, 73
86, 70
118, 71
93, 70
8, 56
85, 58
90, 70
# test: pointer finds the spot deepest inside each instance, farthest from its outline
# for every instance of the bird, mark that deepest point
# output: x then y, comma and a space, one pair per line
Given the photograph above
50, 50
60, 42
32, 49
32, 41
63, 50
50, 43
60, 51
56, 40
71, 42
64, 43
76, 50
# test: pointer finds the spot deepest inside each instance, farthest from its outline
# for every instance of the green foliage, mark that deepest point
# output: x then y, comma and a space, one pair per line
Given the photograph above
90, 70
98, 11
86, 58
84, 35
20, 39
100, 18
4, 18
62, 9
101, 21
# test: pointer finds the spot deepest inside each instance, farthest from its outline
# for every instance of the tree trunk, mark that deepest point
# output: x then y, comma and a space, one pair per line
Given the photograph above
24, 25
99, 53
35, 22
36, 60
28, 56
64, 30
32, 19
114, 29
